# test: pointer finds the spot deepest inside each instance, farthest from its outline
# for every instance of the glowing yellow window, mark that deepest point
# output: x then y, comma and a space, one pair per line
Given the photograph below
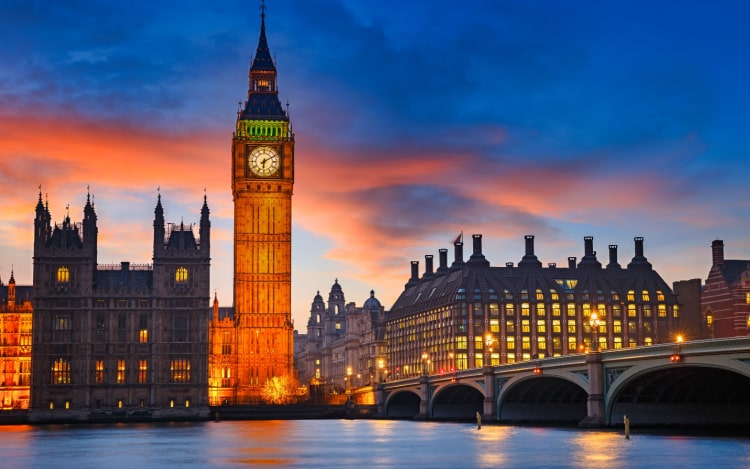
120, 371
143, 336
631, 295
539, 294
659, 295
709, 320
99, 372
645, 295
143, 371
63, 275
181, 275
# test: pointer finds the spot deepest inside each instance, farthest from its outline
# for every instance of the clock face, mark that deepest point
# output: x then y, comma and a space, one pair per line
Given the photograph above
264, 161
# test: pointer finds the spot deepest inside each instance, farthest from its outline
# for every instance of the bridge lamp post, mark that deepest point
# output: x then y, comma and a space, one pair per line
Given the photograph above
349, 380
488, 345
381, 365
425, 363
594, 322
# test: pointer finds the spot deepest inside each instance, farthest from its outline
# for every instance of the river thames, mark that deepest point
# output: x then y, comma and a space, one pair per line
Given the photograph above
353, 443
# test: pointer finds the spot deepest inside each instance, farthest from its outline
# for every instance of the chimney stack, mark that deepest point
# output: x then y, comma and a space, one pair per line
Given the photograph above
717, 251
414, 279
477, 258
530, 259
613, 257
443, 256
458, 262
428, 273
639, 260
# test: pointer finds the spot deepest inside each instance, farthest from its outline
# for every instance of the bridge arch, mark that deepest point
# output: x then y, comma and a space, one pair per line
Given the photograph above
457, 401
551, 397
403, 404
696, 391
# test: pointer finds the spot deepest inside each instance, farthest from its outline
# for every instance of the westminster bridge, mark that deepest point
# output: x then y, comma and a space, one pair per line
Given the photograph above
690, 383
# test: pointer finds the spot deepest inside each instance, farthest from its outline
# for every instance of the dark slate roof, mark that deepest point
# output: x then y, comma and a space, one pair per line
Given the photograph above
263, 105
442, 290
263, 60
732, 270
225, 312
23, 293
182, 237
68, 235
124, 279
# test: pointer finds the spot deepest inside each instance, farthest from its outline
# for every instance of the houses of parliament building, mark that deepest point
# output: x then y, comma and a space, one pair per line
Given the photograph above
139, 341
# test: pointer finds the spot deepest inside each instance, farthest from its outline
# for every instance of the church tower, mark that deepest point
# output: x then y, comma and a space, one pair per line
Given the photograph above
262, 180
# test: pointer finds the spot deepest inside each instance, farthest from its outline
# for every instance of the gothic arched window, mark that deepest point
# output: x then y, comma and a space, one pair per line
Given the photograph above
61, 371
181, 275
63, 275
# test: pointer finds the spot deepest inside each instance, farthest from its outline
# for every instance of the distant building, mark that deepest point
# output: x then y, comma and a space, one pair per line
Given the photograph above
725, 301
471, 314
15, 345
344, 347
119, 341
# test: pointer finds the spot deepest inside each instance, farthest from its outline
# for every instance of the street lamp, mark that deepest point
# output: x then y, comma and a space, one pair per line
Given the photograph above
594, 322
488, 345
381, 365
425, 362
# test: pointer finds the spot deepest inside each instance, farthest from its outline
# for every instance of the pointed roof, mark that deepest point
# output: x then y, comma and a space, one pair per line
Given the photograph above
263, 60
263, 95
204, 208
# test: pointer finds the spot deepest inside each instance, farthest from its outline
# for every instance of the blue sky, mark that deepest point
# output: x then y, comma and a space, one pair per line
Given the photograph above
414, 121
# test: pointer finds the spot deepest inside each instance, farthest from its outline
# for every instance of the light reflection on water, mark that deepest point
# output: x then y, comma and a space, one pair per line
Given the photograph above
352, 443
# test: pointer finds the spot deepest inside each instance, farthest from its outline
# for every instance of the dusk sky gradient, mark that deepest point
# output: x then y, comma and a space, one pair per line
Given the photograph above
414, 121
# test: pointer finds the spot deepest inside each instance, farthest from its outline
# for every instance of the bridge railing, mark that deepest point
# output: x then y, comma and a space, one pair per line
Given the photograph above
703, 347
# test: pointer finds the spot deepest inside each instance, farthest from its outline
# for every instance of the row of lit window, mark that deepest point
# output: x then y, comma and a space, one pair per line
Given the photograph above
180, 276
120, 403
555, 296
179, 371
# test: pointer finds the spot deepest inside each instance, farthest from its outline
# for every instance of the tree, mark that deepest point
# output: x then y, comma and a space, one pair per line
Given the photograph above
279, 390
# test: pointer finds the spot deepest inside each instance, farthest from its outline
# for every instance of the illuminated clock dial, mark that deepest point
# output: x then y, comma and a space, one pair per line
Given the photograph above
264, 161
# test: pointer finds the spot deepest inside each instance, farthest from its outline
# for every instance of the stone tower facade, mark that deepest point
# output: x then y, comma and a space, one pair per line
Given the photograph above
262, 180
117, 342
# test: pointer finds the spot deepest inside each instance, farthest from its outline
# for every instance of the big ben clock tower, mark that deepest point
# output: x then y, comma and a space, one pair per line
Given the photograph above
262, 180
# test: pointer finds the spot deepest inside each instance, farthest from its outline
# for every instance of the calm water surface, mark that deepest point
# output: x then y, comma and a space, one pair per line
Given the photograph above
351, 443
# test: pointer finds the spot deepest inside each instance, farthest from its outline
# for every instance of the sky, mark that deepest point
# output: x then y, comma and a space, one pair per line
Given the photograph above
414, 121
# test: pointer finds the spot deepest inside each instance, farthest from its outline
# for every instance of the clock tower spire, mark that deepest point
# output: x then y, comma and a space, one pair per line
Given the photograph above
262, 180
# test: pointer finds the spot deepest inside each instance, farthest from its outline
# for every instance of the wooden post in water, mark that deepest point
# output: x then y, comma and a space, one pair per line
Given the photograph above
627, 427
